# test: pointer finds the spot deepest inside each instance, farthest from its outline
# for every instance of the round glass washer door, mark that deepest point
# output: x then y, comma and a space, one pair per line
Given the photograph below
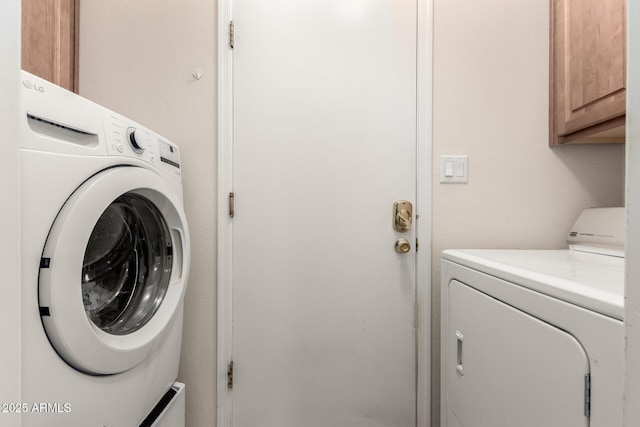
127, 265
114, 270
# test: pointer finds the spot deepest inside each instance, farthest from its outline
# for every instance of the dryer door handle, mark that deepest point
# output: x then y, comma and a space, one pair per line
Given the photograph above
459, 362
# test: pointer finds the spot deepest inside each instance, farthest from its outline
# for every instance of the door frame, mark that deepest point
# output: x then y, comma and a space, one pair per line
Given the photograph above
424, 105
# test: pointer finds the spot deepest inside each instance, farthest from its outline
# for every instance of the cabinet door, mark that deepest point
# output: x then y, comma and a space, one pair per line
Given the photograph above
587, 67
505, 368
49, 40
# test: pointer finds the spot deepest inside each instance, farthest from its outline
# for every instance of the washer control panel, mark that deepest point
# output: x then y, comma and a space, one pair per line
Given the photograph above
127, 138
169, 153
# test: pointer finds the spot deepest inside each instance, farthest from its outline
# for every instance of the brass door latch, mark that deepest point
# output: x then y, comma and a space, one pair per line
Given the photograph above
402, 215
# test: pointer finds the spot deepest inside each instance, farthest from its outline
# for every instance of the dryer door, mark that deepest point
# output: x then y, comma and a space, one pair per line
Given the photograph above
113, 270
504, 367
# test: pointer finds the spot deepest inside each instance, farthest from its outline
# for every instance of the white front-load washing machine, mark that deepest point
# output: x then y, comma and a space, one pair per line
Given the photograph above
535, 338
105, 260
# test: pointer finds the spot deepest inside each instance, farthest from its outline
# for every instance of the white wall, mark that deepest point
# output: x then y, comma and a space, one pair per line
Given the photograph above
632, 288
137, 58
9, 214
491, 102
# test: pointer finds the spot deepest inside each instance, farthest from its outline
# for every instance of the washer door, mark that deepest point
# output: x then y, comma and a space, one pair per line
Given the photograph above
113, 270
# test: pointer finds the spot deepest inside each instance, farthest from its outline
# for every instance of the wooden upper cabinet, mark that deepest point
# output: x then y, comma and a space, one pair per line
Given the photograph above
588, 71
49, 40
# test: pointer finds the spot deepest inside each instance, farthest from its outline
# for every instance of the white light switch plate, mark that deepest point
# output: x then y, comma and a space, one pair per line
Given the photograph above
454, 169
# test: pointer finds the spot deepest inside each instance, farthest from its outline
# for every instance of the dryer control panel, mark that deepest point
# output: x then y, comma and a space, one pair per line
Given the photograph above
600, 231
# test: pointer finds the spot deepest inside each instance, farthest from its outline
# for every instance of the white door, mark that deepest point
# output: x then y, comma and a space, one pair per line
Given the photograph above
506, 368
324, 144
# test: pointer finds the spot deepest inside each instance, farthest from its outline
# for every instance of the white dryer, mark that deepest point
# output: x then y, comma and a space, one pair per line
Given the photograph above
105, 260
535, 338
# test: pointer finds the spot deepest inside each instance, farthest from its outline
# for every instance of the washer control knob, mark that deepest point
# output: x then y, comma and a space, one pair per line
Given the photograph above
135, 139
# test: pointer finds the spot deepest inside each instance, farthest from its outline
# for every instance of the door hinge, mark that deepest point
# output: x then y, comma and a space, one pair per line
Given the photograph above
231, 34
230, 375
232, 204
587, 395
417, 246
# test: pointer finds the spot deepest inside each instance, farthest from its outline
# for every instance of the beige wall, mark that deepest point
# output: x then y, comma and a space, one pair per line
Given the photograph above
491, 103
137, 58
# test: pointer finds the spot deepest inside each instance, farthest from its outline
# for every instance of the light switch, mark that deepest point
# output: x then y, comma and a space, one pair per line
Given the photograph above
448, 169
454, 169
